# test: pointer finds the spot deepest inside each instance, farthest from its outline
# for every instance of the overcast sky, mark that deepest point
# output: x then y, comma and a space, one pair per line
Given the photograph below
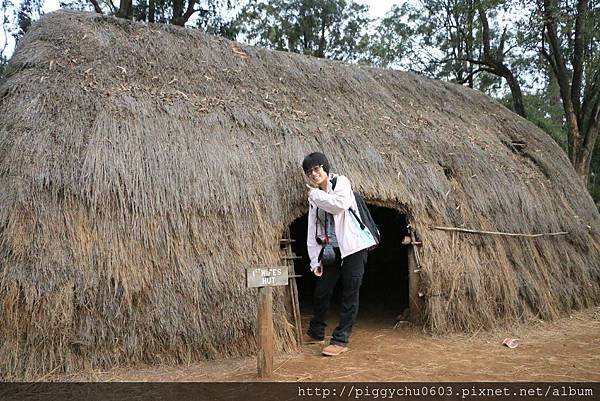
377, 9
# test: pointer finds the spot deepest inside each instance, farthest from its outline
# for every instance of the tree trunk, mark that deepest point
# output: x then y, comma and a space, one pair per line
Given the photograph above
582, 165
177, 12
584, 154
469, 40
582, 132
125, 9
578, 56
152, 11
503, 71
557, 61
553, 94
322, 40
189, 12
517, 95
497, 66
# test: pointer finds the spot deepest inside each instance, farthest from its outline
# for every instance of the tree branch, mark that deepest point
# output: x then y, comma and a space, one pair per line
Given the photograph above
4, 22
485, 31
505, 52
474, 72
547, 56
500, 52
96, 6
189, 11
590, 92
582, 6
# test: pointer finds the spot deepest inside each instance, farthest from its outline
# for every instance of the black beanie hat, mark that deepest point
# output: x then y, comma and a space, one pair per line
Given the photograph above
315, 159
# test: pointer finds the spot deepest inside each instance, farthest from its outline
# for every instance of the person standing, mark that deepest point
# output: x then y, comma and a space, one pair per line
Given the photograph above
330, 221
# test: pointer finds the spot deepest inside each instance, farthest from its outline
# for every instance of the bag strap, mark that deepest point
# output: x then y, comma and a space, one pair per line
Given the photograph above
333, 183
362, 225
317, 223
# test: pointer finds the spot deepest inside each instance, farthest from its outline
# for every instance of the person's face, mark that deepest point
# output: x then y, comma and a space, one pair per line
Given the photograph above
317, 175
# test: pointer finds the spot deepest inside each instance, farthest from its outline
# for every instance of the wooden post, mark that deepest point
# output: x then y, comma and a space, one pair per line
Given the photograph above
414, 300
264, 278
264, 328
414, 270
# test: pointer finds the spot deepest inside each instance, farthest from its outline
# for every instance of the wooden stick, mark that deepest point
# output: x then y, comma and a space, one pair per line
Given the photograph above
414, 267
292, 287
465, 230
295, 304
265, 332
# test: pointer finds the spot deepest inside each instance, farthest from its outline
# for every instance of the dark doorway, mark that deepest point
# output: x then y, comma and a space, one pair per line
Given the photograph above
384, 292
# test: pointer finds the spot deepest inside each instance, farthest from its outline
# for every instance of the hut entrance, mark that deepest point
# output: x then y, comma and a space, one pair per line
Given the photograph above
384, 295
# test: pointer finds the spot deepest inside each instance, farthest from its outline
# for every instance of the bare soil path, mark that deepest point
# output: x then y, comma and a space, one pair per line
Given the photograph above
565, 350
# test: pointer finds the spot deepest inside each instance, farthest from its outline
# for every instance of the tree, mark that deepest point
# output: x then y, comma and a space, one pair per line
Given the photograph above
493, 60
457, 40
205, 14
569, 41
6, 4
392, 41
17, 18
334, 29
208, 15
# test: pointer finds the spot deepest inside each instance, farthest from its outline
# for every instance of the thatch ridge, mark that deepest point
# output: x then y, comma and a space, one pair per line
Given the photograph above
143, 166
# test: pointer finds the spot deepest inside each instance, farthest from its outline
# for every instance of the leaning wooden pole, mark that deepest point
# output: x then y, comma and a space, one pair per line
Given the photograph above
414, 278
264, 326
467, 230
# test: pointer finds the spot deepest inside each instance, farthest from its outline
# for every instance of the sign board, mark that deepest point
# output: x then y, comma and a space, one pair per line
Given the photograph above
270, 276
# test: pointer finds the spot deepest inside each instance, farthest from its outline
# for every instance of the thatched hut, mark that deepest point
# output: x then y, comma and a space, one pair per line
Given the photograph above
143, 167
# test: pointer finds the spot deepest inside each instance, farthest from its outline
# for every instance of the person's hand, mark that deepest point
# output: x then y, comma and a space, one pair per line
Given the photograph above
309, 183
317, 270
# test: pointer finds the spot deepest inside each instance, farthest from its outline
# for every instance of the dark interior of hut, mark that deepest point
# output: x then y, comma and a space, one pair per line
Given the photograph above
384, 292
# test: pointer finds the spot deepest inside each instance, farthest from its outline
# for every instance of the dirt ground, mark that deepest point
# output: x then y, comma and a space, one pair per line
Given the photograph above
565, 350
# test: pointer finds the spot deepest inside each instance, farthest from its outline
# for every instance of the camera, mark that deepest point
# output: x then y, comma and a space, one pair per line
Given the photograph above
323, 239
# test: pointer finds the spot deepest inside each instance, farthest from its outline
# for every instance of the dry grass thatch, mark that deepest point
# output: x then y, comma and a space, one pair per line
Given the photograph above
143, 166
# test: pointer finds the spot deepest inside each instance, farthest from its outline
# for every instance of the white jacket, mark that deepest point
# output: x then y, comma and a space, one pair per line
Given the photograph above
350, 237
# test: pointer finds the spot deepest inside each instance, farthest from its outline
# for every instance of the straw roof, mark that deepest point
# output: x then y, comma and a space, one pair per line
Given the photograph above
143, 167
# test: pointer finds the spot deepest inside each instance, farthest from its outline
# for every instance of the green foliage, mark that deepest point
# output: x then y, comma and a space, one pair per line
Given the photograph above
392, 40
545, 114
17, 17
444, 40
569, 42
29, 11
208, 15
335, 29
78, 5
481, 43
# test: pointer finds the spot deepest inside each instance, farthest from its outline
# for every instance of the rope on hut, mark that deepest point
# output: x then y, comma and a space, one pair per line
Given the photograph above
466, 230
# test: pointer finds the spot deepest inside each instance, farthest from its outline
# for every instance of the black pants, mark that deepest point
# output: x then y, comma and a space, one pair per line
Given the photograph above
351, 270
